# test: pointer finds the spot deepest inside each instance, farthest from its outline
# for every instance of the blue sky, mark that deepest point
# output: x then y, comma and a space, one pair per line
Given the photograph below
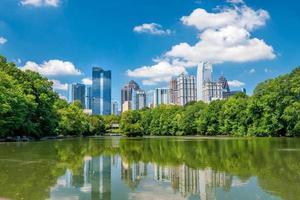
64, 39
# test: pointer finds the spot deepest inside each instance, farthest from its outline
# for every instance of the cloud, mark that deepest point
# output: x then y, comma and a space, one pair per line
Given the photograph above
159, 72
223, 36
53, 68
152, 28
228, 44
87, 81
57, 85
2, 40
252, 71
242, 17
235, 1
40, 3
236, 83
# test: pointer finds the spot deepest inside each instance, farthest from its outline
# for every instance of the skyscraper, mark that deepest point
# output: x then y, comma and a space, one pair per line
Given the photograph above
77, 93
101, 92
138, 100
161, 96
186, 85
88, 97
204, 74
115, 107
126, 92
173, 91
215, 90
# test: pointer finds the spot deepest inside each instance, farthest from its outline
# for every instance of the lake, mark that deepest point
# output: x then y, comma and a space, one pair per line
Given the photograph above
152, 168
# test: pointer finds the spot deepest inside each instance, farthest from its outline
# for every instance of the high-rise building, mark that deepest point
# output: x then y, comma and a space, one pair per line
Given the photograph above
204, 74
126, 92
215, 90
101, 92
115, 107
150, 98
88, 97
127, 105
186, 85
173, 91
161, 96
138, 99
77, 93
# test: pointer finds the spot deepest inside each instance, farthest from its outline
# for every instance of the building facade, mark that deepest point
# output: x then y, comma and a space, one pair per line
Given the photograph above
215, 90
161, 96
126, 91
127, 105
88, 97
138, 100
101, 91
187, 92
204, 74
115, 107
173, 91
77, 93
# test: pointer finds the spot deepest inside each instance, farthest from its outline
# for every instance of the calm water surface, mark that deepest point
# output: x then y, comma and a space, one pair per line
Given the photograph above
151, 168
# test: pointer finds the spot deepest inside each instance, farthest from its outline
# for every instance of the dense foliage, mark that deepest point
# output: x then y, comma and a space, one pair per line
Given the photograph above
272, 110
30, 107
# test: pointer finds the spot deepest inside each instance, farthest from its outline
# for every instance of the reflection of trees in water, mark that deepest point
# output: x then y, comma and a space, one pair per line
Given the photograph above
277, 171
94, 182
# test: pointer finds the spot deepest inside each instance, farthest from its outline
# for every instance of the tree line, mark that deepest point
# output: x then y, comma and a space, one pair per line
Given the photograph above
30, 107
272, 110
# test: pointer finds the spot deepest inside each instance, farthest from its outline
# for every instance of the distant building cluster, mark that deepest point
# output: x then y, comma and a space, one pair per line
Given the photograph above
182, 89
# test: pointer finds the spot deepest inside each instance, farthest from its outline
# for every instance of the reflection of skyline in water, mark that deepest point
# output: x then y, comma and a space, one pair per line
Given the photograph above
95, 180
94, 183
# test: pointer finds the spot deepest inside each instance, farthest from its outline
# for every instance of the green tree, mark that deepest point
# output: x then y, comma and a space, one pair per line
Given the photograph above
130, 123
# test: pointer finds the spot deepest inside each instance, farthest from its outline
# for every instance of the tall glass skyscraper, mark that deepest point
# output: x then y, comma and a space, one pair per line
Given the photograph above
77, 93
204, 74
101, 92
88, 97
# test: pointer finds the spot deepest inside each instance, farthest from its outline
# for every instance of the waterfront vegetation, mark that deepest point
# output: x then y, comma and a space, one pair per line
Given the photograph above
272, 110
30, 107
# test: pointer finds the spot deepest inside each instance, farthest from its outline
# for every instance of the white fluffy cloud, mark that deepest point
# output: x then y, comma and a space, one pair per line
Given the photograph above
152, 28
228, 44
236, 83
87, 81
57, 85
2, 40
53, 68
243, 17
223, 36
160, 72
39, 3
236, 1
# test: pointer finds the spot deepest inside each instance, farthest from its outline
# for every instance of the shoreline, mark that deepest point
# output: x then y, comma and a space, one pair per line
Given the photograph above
190, 137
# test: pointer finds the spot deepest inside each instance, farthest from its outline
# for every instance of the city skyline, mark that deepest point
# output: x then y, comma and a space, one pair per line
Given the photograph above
127, 49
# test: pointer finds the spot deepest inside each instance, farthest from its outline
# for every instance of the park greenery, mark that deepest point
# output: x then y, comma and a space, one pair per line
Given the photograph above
272, 110
30, 107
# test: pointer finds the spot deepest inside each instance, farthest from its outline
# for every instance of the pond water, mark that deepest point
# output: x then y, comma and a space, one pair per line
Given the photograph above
151, 168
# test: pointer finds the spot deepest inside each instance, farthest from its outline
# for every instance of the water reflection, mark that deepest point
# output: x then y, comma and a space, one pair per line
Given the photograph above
151, 168
96, 182
93, 183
